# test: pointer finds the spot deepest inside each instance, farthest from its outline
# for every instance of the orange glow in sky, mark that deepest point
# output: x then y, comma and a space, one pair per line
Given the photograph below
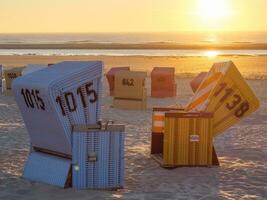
132, 16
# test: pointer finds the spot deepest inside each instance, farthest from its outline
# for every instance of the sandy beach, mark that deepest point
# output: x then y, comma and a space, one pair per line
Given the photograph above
242, 149
251, 67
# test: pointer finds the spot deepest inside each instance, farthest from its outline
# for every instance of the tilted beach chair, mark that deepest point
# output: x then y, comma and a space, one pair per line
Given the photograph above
224, 93
195, 83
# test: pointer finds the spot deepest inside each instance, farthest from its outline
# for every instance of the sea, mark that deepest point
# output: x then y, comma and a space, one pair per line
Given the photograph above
135, 38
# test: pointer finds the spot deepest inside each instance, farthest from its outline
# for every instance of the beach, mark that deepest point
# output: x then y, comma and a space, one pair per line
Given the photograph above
251, 67
242, 149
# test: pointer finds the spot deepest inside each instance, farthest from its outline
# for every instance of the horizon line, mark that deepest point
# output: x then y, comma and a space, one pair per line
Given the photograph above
134, 32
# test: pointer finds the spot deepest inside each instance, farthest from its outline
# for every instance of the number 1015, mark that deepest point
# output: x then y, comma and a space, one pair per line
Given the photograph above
32, 99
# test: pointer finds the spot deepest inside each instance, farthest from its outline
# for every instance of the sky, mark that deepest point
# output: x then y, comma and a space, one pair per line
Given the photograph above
29, 16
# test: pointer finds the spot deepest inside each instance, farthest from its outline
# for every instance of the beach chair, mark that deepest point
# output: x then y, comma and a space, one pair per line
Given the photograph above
188, 139
32, 68
195, 83
163, 148
158, 121
60, 106
225, 93
163, 82
111, 77
1, 78
222, 92
130, 91
98, 156
97, 160
10, 74
53, 99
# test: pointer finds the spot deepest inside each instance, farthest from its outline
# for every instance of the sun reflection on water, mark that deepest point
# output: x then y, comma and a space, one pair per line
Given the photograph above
211, 54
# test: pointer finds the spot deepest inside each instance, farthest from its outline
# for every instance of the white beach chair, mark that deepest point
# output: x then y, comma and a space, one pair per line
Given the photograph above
32, 68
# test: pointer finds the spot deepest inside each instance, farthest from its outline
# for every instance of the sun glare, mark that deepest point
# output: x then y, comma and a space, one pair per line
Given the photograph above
212, 15
213, 8
212, 54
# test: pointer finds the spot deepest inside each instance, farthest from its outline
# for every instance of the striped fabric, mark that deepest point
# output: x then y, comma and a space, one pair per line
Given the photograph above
98, 159
1, 77
188, 139
224, 92
158, 121
200, 100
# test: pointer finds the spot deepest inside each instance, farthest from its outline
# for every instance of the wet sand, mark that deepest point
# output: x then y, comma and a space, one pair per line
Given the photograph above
252, 67
151, 45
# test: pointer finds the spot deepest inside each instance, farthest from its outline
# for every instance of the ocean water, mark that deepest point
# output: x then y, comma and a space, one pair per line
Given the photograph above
181, 37
134, 38
131, 52
254, 72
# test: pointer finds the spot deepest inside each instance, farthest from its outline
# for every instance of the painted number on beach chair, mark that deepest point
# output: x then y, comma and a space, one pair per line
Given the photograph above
128, 82
237, 100
12, 75
89, 92
244, 107
69, 98
32, 99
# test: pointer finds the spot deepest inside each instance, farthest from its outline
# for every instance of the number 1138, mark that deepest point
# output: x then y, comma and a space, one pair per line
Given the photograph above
241, 106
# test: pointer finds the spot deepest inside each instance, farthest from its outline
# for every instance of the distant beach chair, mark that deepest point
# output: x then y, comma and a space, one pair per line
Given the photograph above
54, 102
130, 91
224, 93
110, 75
163, 82
11, 74
195, 83
1, 78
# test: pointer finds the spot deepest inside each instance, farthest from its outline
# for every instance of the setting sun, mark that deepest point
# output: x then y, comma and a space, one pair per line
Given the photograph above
213, 8
212, 15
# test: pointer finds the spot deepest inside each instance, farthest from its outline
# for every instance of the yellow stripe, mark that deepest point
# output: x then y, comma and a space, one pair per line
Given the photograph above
198, 101
158, 118
210, 80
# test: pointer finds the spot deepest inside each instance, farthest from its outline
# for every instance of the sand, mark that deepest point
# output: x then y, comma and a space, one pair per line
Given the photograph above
242, 151
252, 67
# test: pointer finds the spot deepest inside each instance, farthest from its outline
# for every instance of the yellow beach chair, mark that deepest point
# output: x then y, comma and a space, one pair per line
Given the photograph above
224, 93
